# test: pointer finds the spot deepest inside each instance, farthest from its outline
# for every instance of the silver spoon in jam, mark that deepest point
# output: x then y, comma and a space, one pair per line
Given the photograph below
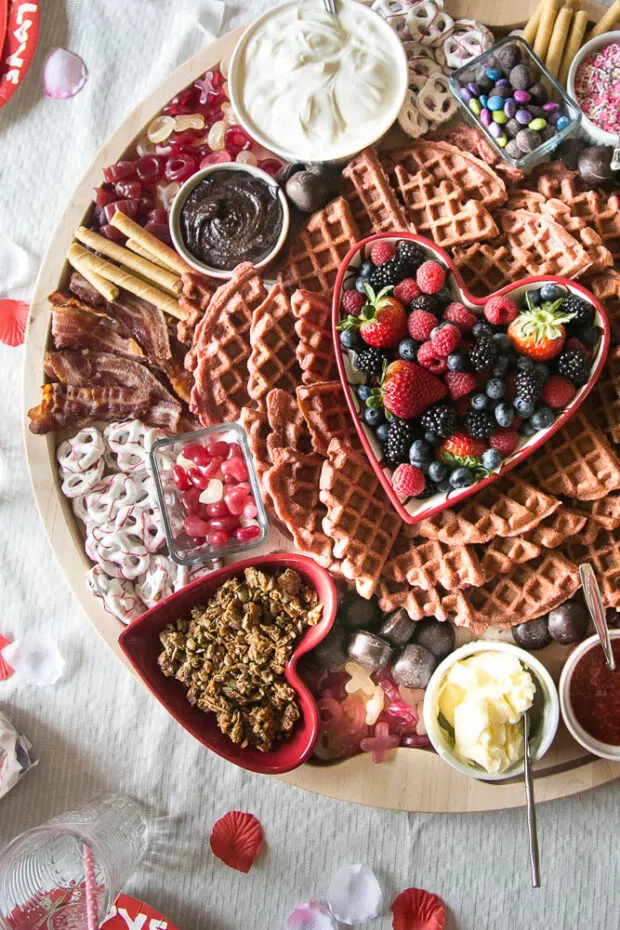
594, 601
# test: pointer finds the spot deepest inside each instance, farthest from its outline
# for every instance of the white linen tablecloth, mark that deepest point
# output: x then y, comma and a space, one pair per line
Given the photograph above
98, 730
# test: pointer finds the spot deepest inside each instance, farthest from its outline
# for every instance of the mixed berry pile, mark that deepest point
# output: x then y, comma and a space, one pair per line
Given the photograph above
449, 394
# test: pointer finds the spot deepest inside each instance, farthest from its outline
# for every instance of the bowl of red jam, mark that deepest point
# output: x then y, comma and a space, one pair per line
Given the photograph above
590, 697
208, 494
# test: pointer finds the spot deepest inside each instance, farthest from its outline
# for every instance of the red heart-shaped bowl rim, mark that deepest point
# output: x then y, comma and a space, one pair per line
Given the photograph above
140, 643
18, 44
414, 511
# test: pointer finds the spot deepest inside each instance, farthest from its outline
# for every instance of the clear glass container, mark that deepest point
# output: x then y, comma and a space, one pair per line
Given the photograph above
164, 456
557, 94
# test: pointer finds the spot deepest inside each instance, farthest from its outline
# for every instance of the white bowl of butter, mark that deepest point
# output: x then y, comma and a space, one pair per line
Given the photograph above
474, 707
313, 87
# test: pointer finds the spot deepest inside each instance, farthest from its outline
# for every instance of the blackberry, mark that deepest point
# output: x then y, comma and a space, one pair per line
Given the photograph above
583, 312
574, 365
371, 361
428, 302
411, 252
401, 434
528, 385
483, 353
479, 424
391, 272
441, 419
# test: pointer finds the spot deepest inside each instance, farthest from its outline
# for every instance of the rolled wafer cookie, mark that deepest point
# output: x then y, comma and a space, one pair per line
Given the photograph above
573, 44
531, 27
107, 289
559, 37
146, 269
151, 243
609, 20
545, 27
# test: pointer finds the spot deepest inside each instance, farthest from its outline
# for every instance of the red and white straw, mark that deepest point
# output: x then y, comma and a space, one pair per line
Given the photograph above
92, 909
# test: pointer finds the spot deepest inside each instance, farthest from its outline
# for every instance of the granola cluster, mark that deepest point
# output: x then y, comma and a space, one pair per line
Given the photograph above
232, 654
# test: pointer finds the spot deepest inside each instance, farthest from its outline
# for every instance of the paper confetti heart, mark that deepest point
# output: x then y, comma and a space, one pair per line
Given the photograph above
416, 909
6, 670
237, 839
13, 318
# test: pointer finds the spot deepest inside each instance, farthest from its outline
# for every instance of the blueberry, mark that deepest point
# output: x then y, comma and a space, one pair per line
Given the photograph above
495, 388
523, 407
542, 371
524, 363
444, 485
373, 417
456, 361
480, 402
408, 349
433, 438
481, 328
437, 471
542, 418
491, 459
359, 285
462, 477
421, 464
504, 414
534, 298
503, 341
501, 366
382, 431
351, 339
589, 335
366, 269
527, 429
420, 450
364, 392
551, 292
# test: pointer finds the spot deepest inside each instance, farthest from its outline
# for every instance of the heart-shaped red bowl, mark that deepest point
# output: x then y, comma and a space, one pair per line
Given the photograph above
412, 510
140, 643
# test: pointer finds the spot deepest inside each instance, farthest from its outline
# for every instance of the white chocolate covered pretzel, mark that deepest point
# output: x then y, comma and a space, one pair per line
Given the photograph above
435, 100
428, 24
467, 40
411, 121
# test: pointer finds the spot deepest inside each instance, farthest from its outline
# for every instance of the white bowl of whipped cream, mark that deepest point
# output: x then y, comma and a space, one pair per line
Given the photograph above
475, 703
314, 87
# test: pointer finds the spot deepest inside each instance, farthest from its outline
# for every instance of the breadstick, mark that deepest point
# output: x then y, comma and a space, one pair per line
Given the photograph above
575, 38
545, 27
558, 40
149, 271
609, 20
531, 27
128, 281
107, 290
140, 250
150, 242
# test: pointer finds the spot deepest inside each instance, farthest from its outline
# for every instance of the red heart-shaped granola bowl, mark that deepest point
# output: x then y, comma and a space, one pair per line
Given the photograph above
414, 509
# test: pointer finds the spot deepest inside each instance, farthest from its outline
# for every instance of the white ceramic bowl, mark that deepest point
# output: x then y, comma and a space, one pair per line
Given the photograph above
595, 746
185, 191
596, 135
375, 25
541, 740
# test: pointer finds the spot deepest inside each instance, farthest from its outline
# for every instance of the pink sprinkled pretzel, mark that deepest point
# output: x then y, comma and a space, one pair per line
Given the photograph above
119, 597
467, 40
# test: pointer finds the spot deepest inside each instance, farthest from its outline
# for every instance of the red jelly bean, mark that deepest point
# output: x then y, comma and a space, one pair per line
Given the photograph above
212, 468
180, 478
236, 500
196, 453
246, 533
235, 451
235, 467
250, 510
197, 478
218, 538
189, 501
149, 169
219, 448
194, 526
217, 510
227, 524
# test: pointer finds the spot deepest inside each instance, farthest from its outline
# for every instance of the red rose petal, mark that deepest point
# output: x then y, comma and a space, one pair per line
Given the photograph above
13, 317
237, 839
416, 909
6, 670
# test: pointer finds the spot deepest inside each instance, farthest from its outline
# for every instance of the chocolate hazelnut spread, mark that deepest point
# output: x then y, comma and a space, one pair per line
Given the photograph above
231, 217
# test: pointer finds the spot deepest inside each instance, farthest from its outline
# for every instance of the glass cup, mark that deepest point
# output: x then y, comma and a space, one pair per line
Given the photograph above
42, 872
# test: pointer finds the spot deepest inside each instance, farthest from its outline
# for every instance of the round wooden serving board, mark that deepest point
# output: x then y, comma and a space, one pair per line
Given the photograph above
415, 780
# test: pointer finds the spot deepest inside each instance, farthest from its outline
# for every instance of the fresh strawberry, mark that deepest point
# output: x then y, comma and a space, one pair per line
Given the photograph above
407, 389
505, 439
431, 277
462, 446
381, 252
539, 333
420, 324
382, 321
460, 383
353, 302
500, 311
408, 481
406, 291
445, 339
558, 392
428, 358
574, 343
462, 317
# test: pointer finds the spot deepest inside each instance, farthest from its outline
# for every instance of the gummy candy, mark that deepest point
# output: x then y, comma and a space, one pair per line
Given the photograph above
380, 743
359, 679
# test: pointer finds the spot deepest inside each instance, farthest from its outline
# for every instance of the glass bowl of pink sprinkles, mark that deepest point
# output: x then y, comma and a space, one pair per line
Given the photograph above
594, 83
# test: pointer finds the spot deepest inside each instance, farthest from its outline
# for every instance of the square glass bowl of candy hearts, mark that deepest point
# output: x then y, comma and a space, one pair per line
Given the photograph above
449, 391
508, 94
208, 494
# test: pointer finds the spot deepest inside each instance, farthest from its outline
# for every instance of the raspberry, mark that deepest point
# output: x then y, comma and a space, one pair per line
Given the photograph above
501, 311
428, 358
420, 325
381, 252
408, 481
352, 302
462, 317
505, 440
406, 290
574, 343
558, 392
460, 383
431, 277
445, 339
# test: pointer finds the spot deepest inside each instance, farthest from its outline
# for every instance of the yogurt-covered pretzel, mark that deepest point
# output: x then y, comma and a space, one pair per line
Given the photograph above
428, 24
157, 582
394, 12
410, 119
82, 452
435, 101
78, 483
111, 495
130, 443
119, 597
467, 40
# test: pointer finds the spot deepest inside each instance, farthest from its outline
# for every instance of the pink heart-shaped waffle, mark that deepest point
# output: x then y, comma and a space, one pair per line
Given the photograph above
412, 510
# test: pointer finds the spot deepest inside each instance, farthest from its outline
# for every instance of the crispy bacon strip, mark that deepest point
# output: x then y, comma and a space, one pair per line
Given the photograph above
76, 406
74, 327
